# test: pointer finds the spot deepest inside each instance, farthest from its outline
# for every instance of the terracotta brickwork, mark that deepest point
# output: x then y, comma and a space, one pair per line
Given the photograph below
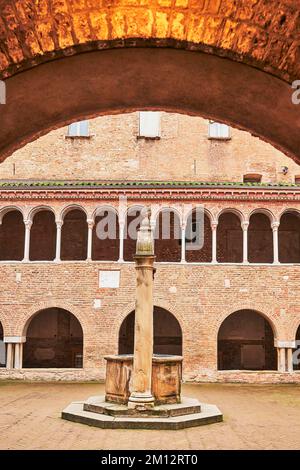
260, 32
199, 289
113, 152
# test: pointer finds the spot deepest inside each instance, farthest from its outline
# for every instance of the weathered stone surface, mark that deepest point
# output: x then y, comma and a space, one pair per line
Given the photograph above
209, 414
247, 30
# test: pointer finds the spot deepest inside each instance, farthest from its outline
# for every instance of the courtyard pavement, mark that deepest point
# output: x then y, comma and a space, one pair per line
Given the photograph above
255, 417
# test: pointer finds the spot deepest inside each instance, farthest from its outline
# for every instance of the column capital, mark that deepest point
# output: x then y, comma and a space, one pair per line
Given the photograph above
59, 223
245, 225
214, 224
28, 223
275, 225
14, 339
285, 344
90, 223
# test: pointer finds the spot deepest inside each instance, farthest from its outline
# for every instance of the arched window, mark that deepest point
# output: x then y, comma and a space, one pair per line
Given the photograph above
105, 246
168, 237
167, 333
260, 239
74, 236
54, 339
204, 254
43, 236
246, 342
289, 238
2, 348
12, 236
229, 239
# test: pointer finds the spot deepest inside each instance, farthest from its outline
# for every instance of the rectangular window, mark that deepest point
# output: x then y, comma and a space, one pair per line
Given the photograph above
149, 124
79, 129
297, 179
217, 130
252, 178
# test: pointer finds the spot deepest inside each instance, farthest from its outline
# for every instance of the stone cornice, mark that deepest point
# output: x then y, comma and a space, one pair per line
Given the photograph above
203, 193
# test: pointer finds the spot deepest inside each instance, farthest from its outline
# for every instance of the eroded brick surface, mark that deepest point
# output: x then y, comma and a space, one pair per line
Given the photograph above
260, 32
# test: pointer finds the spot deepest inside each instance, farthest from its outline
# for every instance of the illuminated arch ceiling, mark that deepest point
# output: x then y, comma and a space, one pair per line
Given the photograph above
248, 53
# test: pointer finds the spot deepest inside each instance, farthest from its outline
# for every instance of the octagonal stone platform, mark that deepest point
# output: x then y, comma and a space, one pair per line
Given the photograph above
102, 414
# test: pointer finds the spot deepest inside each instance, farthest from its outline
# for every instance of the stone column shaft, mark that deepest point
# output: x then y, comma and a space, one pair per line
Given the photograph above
90, 239
183, 246
245, 226
121, 242
214, 227
58, 240
9, 355
28, 225
275, 227
141, 395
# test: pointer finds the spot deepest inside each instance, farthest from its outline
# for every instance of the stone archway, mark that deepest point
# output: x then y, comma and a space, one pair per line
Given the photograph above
183, 52
246, 342
167, 333
54, 339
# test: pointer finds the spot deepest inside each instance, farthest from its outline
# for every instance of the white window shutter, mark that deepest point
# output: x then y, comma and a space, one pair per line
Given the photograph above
149, 124
218, 130
79, 129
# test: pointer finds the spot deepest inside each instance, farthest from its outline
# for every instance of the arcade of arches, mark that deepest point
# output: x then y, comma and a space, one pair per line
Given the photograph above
74, 238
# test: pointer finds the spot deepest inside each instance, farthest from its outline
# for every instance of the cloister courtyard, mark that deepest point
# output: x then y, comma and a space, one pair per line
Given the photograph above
255, 417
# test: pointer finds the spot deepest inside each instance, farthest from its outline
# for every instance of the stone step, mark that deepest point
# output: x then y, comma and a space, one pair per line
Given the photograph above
75, 413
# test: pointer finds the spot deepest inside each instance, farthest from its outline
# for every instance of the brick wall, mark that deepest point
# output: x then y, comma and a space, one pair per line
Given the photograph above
113, 152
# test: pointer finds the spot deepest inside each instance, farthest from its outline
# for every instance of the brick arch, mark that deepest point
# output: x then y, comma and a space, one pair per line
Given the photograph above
23, 323
210, 58
277, 328
161, 304
260, 33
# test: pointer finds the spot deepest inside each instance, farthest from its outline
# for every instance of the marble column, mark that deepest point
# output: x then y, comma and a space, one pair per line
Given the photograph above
9, 356
91, 224
245, 226
121, 241
140, 387
28, 224
275, 227
59, 224
214, 226
183, 246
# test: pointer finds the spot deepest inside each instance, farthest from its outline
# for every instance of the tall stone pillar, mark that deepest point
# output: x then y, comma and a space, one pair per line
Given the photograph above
59, 224
214, 226
140, 387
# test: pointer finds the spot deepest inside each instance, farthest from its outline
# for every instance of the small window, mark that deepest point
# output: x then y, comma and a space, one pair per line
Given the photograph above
149, 126
297, 179
252, 178
79, 129
216, 130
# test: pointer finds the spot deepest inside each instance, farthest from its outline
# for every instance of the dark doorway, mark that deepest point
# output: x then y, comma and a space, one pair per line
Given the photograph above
167, 334
246, 342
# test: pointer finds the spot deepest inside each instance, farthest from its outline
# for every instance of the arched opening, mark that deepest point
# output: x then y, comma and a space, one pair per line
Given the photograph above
289, 238
168, 237
12, 236
167, 333
54, 339
204, 254
43, 236
246, 342
260, 239
296, 359
105, 245
74, 235
132, 224
2, 348
229, 239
